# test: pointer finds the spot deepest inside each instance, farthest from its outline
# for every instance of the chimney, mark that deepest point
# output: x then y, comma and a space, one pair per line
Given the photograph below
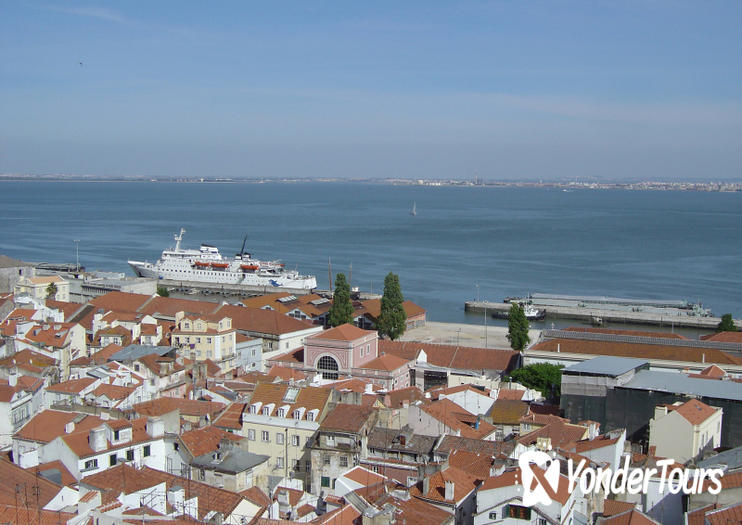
449, 491
97, 439
69, 428
282, 496
176, 498
155, 427
426, 486
13, 377
558, 348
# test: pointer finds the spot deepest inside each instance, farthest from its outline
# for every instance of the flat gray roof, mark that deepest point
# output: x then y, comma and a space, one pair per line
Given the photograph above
233, 462
136, 351
606, 365
682, 384
732, 458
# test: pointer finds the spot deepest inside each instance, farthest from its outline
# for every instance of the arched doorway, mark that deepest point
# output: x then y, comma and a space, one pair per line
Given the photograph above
328, 367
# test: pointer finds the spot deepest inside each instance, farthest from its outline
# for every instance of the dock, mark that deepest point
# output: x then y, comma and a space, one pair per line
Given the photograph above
602, 315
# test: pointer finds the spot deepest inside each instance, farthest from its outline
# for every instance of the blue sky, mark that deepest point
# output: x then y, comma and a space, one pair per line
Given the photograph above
502, 89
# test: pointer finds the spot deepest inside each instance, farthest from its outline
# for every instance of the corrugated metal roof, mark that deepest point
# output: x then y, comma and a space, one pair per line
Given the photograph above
606, 365
682, 384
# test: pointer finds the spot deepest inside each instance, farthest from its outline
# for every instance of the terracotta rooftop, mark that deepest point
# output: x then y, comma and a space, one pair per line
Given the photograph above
257, 496
629, 517
373, 308
310, 398
398, 398
449, 356
344, 332
463, 482
638, 350
612, 507
187, 407
725, 337
364, 476
558, 431
478, 446
232, 417
725, 515
617, 331
125, 479
204, 440
458, 418
710, 372
694, 411
73, 386
347, 418
286, 374
13, 476
113, 392
120, 301
55, 470
48, 424
24, 514
263, 321
510, 478
386, 362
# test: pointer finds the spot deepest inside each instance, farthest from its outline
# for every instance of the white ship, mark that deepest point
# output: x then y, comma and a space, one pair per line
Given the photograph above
206, 265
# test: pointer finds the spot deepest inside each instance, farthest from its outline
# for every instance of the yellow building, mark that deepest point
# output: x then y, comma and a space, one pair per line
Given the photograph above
279, 421
38, 287
204, 336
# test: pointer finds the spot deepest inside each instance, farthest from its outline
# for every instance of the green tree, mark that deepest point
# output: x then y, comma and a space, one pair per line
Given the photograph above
163, 292
341, 311
392, 320
517, 328
51, 291
544, 377
726, 324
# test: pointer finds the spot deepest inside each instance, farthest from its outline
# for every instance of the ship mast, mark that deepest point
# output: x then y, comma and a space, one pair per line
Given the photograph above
179, 238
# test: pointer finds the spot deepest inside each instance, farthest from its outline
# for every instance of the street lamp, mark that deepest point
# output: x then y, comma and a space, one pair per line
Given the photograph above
77, 255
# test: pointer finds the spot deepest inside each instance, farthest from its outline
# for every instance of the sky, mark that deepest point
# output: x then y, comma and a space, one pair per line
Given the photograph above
501, 90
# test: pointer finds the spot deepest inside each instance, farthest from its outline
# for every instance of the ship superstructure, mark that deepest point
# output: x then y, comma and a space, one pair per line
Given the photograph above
207, 265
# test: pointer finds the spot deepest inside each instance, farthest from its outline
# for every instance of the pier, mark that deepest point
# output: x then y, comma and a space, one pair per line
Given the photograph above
227, 289
602, 315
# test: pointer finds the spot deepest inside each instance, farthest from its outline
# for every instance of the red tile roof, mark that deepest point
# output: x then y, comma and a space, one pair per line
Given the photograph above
612, 507
73, 386
694, 411
286, 374
14, 476
344, 332
232, 417
458, 418
629, 517
725, 515
187, 407
449, 356
510, 478
386, 362
464, 483
364, 476
347, 418
48, 424
263, 321
725, 337
23, 514
205, 440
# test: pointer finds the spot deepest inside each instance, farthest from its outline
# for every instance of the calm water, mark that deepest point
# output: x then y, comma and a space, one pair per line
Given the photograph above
509, 241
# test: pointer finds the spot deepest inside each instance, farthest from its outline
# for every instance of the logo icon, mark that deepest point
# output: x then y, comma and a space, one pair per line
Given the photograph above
539, 467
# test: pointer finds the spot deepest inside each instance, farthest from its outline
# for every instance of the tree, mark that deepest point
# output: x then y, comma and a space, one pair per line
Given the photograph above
341, 311
51, 291
544, 377
726, 324
163, 292
392, 320
517, 328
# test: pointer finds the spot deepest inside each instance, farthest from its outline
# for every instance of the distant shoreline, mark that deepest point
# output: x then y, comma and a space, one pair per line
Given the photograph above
567, 186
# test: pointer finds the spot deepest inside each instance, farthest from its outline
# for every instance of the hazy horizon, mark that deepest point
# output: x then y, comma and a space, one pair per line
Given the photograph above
499, 90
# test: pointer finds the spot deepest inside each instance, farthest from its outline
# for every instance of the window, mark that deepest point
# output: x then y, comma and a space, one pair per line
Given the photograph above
208, 340
325, 459
176, 446
297, 465
116, 435
325, 481
112, 460
328, 367
130, 455
198, 339
279, 438
279, 462
267, 411
518, 512
265, 436
201, 474
493, 515
310, 416
91, 464
308, 465
147, 451
343, 461
295, 440
542, 521
281, 412
251, 434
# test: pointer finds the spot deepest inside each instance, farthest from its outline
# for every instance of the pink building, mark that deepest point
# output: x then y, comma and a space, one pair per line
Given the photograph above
340, 350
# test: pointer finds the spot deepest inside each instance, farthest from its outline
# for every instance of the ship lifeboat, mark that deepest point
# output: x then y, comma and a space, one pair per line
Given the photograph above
250, 267
200, 264
220, 265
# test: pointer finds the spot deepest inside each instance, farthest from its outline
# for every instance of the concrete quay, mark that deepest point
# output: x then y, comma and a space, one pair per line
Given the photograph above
593, 315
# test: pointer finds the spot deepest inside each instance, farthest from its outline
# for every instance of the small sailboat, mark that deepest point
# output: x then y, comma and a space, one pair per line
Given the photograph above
413, 211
